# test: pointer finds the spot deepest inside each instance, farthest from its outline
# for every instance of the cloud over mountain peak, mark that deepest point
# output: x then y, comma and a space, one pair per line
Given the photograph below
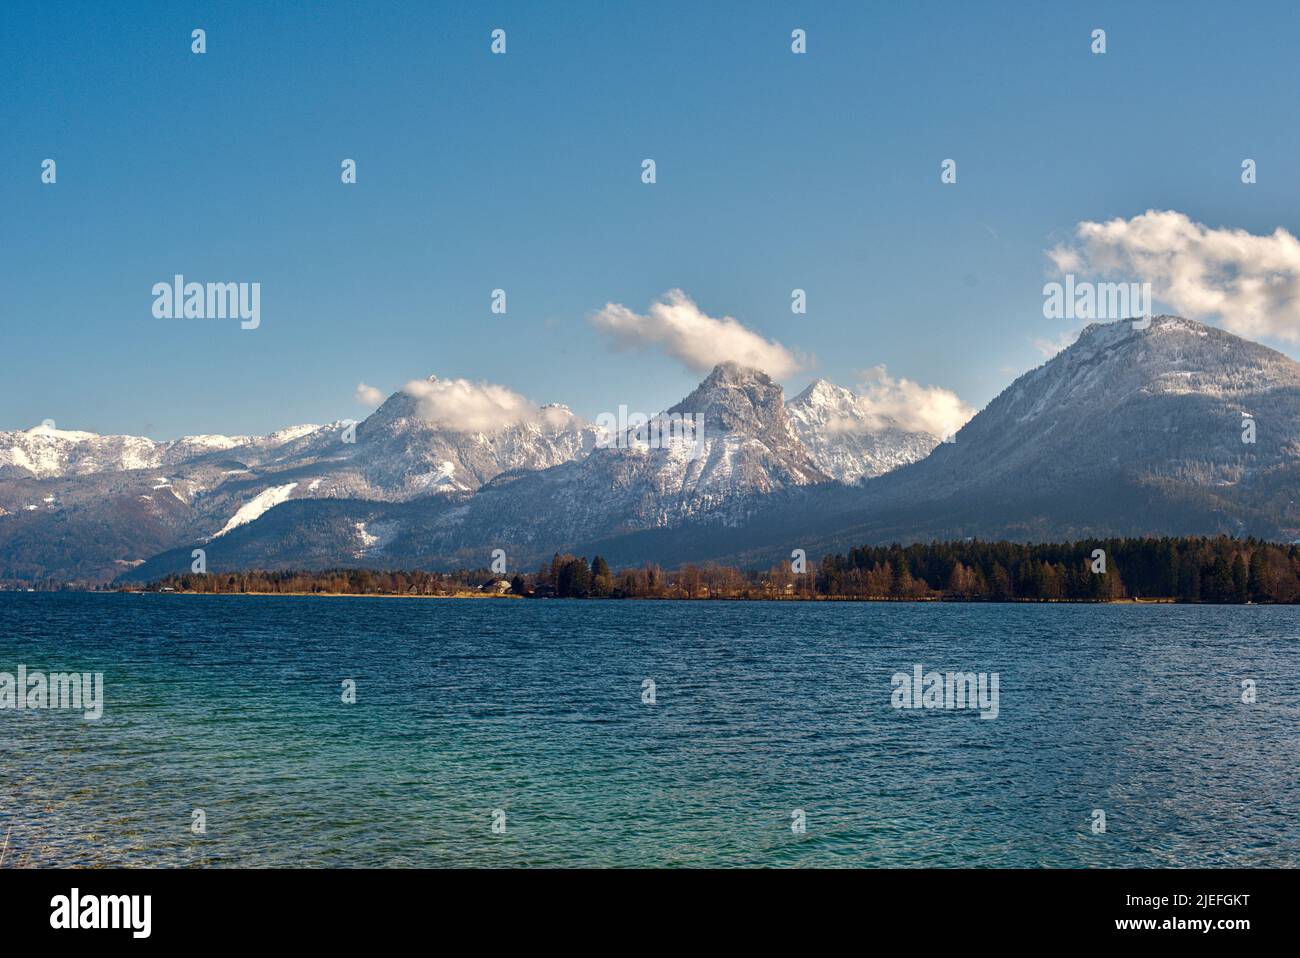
1250, 282
464, 406
677, 326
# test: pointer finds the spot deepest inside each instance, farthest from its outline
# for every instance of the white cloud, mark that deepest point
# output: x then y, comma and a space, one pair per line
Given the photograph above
676, 325
463, 406
916, 408
1050, 347
1250, 283
557, 417
369, 395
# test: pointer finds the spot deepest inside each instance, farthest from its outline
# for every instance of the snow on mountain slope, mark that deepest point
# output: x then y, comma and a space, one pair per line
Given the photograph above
200, 487
1166, 401
251, 510
45, 452
747, 453
1176, 429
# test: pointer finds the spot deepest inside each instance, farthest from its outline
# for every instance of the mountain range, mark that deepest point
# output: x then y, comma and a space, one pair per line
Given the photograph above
1179, 428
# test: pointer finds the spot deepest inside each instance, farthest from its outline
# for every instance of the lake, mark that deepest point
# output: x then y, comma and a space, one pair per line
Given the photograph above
533, 715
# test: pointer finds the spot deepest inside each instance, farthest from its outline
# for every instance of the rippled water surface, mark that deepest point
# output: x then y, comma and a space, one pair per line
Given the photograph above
232, 705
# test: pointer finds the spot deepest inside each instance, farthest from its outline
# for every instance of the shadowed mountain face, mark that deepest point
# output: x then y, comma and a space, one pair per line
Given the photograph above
1127, 432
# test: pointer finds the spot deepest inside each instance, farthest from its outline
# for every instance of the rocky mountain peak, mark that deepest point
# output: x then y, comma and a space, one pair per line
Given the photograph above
736, 398
1173, 356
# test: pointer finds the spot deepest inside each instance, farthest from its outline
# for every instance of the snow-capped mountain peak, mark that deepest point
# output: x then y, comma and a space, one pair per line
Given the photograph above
850, 440
822, 392
44, 452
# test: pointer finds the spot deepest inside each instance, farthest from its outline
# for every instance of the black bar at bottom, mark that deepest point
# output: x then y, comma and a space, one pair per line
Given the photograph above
948, 909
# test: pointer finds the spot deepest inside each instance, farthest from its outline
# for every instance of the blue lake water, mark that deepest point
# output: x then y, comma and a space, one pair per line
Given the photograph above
232, 705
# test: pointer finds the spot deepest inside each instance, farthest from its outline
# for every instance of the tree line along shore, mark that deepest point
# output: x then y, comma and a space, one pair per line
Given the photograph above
1208, 570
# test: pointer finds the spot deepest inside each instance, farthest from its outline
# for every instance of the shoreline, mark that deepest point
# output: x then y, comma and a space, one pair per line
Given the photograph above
788, 598
325, 595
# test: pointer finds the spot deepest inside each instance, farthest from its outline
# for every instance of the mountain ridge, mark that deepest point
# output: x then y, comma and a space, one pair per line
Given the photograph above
1127, 431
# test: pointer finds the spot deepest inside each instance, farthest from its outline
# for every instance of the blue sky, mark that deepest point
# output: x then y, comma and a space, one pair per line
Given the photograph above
522, 171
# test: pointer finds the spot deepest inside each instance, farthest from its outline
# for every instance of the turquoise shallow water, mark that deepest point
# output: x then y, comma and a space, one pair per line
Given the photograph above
231, 704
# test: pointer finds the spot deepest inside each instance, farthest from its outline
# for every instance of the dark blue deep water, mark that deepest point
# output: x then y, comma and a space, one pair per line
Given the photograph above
232, 705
